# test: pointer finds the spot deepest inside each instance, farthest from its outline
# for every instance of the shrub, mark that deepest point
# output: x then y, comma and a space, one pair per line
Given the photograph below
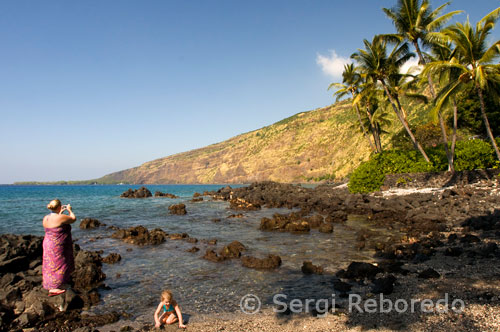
474, 154
370, 175
469, 155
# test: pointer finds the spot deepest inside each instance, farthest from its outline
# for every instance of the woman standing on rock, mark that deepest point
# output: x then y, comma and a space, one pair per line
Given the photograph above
58, 261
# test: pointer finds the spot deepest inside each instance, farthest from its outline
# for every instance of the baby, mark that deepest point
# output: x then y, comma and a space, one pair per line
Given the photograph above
168, 311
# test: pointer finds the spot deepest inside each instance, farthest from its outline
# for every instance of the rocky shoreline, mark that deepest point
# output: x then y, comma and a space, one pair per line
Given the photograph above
448, 245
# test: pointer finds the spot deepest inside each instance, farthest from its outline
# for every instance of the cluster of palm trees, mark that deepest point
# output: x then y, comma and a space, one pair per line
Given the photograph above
458, 59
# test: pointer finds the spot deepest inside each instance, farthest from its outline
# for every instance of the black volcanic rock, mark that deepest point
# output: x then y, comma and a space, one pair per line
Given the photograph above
142, 192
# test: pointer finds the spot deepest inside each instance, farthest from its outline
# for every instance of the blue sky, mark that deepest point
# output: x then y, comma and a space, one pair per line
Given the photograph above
92, 87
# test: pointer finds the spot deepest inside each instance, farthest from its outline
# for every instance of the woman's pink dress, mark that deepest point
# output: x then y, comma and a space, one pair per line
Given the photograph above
58, 261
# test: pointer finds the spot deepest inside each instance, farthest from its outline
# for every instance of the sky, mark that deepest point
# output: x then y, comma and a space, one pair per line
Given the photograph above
92, 87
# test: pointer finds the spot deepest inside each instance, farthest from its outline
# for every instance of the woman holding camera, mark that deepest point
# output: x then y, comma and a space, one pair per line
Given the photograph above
58, 260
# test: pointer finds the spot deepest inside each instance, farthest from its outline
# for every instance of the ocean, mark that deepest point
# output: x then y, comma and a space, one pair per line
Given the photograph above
199, 286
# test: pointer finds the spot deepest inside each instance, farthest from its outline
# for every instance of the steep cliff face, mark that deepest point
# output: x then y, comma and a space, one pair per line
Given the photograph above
310, 145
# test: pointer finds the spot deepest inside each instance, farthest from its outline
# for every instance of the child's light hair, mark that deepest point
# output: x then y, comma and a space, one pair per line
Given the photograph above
166, 295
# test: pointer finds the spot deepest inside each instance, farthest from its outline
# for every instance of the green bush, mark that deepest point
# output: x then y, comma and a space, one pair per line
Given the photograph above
469, 155
370, 175
474, 154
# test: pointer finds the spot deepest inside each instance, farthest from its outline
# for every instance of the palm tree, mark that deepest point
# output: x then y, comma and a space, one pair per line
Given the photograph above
413, 20
375, 117
474, 61
445, 53
351, 80
378, 66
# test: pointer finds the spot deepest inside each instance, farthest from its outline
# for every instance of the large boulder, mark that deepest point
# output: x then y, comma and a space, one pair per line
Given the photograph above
90, 223
112, 258
142, 192
310, 268
179, 209
361, 270
160, 194
140, 236
268, 263
232, 250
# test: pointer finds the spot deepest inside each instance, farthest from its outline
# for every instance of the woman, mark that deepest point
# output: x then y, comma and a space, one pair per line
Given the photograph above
58, 261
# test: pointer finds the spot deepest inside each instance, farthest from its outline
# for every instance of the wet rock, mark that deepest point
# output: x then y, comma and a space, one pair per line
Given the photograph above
193, 249
453, 251
384, 285
452, 238
337, 217
196, 200
241, 204
341, 286
488, 249
269, 263
211, 255
429, 273
195, 195
142, 192
469, 238
88, 273
16, 252
112, 258
139, 235
298, 227
310, 268
160, 194
239, 215
179, 209
326, 228
90, 223
292, 222
315, 221
392, 267
178, 236
232, 250
192, 240
216, 219
361, 270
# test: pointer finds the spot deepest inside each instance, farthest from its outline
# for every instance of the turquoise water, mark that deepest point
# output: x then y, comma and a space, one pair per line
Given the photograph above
199, 286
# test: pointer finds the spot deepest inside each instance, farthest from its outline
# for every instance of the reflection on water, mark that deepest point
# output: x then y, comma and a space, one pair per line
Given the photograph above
199, 286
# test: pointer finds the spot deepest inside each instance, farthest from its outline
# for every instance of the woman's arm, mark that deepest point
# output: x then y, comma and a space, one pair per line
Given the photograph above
67, 219
179, 315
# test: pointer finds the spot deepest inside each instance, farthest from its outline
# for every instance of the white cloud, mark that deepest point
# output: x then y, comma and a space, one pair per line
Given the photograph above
411, 67
332, 65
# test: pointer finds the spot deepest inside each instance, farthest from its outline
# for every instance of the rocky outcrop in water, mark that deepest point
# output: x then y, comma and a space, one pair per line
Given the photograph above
142, 192
140, 236
310, 268
90, 223
269, 263
179, 209
112, 258
160, 194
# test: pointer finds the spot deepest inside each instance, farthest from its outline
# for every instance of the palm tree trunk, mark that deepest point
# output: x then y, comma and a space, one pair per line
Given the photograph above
376, 138
445, 142
363, 129
486, 122
403, 121
454, 137
423, 62
377, 135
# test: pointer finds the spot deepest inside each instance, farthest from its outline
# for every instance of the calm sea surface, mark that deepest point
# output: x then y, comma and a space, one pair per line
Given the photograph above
199, 286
